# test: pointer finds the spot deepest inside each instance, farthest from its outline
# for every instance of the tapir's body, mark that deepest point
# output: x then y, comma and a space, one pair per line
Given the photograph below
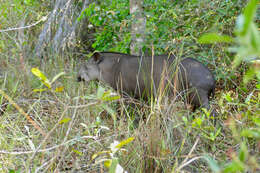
157, 75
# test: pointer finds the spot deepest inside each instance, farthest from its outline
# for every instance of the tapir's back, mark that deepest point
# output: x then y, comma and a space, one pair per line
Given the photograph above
142, 75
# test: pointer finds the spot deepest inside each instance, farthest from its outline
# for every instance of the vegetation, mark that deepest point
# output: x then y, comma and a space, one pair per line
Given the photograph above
51, 123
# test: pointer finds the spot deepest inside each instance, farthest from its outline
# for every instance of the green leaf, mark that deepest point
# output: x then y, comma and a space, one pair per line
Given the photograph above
197, 121
251, 133
250, 74
237, 61
124, 142
210, 38
107, 163
59, 89
249, 14
41, 76
94, 156
185, 120
254, 38
217, 133
212, 164
57, 76
111, 98
110, 111
113, 166
243, 153
40, 90
228, 97
207, 112
233, 167
257, 119
77, 152
100, 92
105, 94
65, 120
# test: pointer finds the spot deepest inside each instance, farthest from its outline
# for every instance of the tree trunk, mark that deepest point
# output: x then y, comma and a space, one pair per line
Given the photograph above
138, 26
59, 30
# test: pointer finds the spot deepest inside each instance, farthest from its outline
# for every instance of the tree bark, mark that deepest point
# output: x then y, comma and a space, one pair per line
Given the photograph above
59, 30
138, 26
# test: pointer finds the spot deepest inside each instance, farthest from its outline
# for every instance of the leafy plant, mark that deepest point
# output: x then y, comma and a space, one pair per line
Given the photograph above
247, 41
46, 81
247, 49
110, 160
111, 22
105, 97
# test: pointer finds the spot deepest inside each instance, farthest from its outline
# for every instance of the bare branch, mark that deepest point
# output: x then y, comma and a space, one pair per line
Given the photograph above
47, 149
25, 27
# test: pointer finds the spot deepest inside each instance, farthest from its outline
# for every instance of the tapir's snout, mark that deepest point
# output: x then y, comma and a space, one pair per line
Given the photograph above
79, 79
83, 77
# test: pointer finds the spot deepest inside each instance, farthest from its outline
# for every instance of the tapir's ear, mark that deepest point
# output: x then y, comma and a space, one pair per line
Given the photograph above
97, 57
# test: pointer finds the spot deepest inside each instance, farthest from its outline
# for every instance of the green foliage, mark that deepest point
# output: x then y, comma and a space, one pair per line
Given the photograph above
105, 96
245, 128
247, 40
212, 164
46, 81
13, 171
111, 161
171, 26
214, 38
247, 49
253, 132
248, 37
111, 21
167, 23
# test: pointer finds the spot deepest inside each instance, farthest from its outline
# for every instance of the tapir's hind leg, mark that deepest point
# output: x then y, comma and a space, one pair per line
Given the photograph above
199, 98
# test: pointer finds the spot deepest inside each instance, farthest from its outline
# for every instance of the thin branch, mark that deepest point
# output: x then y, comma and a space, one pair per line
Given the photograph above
44, 165
185, 162
188, 162
47, 149
25, 27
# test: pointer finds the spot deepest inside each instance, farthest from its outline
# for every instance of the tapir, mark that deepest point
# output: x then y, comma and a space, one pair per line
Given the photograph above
146, 76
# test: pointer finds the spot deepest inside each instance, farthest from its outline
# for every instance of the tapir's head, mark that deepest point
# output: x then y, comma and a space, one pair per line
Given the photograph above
90, 71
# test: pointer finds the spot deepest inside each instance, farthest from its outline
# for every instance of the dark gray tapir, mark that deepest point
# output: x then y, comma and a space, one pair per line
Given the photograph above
157, 75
